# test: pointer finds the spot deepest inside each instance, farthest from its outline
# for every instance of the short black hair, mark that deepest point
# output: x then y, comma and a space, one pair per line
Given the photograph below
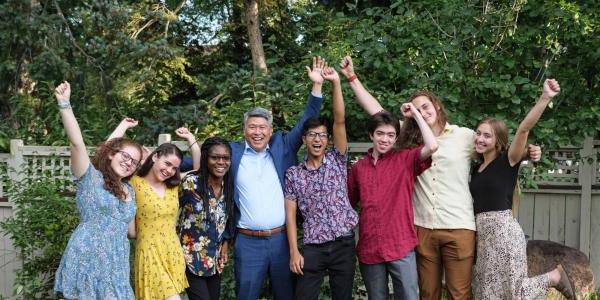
383, 118
314, 123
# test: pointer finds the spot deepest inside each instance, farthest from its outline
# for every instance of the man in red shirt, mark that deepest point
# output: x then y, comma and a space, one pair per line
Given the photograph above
382, 182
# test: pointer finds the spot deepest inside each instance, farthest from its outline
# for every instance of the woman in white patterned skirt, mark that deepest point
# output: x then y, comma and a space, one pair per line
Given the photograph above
501, 267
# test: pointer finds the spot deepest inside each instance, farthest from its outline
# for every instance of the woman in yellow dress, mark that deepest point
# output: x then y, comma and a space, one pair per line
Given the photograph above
159, 266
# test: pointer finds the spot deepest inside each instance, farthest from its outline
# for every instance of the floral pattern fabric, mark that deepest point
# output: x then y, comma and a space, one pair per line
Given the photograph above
322, 198
201, 232
159, 265
95, 264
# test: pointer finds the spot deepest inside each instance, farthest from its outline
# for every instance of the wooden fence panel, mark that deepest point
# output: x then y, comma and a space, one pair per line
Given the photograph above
8, 258
541, 217
557, 218
572, 210
595, 237
526, 212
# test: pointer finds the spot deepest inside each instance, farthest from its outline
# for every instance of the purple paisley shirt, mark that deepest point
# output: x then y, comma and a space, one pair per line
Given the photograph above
322, 198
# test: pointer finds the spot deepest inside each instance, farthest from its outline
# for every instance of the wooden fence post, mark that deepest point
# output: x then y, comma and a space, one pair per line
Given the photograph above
16, 161
163, 138
586, 169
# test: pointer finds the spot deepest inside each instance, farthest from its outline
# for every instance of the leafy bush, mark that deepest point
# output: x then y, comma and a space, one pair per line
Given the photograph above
44, 218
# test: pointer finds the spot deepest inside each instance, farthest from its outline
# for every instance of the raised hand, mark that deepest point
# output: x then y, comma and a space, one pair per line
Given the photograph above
317, 68
63, 92
347, 67
330, 74
128, 123
534, 152
184, 133
409, 110
551, 88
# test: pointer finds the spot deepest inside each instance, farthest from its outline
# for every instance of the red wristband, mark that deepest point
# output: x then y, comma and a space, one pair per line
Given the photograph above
352, 78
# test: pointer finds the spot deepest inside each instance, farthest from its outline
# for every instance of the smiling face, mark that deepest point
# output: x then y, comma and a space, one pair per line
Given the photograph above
164, 166
315, 140
485, 139
219, 160
125, 161
427, 109
383, 137
257, 132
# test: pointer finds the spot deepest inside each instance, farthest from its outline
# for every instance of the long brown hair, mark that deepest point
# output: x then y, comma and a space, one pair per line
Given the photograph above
102, 160
410, 136
163, 149
500, 132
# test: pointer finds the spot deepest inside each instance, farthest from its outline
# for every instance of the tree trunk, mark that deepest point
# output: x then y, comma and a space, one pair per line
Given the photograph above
254, 36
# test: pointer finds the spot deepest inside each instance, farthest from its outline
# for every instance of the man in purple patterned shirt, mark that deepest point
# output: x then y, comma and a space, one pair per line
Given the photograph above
317, 187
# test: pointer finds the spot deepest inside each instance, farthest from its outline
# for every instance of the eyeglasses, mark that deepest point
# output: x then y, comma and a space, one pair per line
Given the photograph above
312, 135
128, 159
224, 158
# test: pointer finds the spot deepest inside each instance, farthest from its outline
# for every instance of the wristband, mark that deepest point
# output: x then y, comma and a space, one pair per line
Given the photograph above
64, 105
352, 78
190, 146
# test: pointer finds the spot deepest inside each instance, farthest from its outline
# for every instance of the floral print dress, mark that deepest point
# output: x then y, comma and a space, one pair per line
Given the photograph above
95, 264
201, 232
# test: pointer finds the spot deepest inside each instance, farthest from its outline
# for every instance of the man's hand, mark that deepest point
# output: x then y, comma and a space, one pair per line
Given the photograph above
296, 262
317, 68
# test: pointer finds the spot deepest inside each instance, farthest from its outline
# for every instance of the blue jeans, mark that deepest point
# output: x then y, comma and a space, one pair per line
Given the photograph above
404, 278
257, 257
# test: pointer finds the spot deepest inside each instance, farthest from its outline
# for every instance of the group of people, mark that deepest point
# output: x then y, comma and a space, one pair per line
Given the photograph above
427, 198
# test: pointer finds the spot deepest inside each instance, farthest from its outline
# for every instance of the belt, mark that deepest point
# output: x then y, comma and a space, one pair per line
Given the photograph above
262, 233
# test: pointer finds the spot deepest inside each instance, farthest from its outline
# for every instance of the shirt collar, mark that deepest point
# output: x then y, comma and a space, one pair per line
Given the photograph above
324, 162
250, 149
381, 156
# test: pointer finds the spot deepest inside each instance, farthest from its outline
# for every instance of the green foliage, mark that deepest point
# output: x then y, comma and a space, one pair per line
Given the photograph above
44, 217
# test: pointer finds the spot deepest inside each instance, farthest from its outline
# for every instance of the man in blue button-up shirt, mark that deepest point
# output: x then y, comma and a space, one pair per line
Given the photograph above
258, 166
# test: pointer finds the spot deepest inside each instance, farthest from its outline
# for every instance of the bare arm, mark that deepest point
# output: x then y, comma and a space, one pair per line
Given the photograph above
429, 141
340, 139
131, 229
515, 152
364, 98
125, 124
296, 259
184, 133
80, 160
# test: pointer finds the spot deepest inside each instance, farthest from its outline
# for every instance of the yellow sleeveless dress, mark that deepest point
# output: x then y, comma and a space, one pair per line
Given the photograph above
159, 266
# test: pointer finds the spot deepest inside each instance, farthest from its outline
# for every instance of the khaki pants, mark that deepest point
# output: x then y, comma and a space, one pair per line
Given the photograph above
445, 251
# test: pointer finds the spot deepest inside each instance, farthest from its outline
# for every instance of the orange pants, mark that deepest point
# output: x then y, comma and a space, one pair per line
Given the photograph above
450, 251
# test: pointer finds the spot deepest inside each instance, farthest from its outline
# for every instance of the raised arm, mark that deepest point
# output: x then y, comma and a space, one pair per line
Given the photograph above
515, 151
339, 119
429, 141
184, 133
312, 109
125, 124
80, 160
364, 98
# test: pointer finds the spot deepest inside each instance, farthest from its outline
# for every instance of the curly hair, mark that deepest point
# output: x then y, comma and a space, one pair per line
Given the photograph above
164, 149
410, 136
102, 160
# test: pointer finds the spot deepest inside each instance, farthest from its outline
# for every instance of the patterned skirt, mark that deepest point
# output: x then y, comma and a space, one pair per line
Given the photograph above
501, 267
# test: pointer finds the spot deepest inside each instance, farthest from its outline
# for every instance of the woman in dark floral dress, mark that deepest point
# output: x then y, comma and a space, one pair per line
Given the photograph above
206, 201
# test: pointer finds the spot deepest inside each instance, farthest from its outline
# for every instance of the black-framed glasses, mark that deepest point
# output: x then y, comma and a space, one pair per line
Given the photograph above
128, 159
313, 135
225, 158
